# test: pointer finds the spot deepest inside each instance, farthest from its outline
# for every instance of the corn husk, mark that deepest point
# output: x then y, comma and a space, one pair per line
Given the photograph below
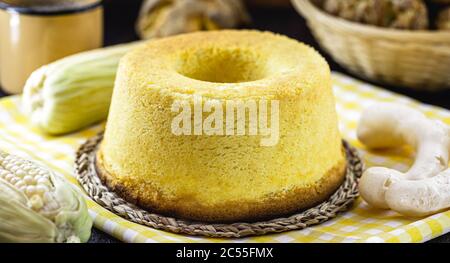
162, 18
74, 92
37, 206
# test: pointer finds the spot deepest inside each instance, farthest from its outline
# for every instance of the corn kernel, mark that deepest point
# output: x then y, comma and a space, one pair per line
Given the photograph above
20, 173
41, 189
8, 177
30, 190
14, 180
19, 184
28, 180
36, 202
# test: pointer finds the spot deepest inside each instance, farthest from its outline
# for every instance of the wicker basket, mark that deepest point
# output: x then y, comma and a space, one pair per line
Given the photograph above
414, 59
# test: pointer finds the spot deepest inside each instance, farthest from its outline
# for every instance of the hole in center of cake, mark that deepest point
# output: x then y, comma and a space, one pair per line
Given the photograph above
232, 65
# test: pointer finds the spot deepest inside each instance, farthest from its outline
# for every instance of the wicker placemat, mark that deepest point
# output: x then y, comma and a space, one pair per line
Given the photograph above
338, 202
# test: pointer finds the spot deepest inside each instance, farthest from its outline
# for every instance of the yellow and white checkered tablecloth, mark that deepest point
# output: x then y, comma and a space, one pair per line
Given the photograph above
361, 224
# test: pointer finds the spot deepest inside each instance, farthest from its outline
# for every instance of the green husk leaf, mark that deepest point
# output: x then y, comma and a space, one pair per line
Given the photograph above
74, 92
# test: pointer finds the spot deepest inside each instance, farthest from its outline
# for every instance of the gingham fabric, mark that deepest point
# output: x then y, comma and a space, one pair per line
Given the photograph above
361, 224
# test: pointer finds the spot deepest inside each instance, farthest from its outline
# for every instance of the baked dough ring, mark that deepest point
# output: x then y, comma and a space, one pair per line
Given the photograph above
222, 178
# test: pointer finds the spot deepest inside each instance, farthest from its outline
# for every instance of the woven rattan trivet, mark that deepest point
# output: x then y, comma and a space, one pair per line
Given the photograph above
338, 202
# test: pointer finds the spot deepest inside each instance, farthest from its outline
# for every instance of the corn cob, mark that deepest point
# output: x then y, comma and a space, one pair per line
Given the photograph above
36, 206
74, 92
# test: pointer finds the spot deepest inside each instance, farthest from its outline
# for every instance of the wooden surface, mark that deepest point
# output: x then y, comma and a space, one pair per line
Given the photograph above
119, 21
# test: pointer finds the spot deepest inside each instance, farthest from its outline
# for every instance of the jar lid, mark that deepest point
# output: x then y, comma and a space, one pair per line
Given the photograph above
48, 7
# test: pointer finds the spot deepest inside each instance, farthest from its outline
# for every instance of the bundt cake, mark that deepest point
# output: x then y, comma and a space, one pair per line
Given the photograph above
222, 177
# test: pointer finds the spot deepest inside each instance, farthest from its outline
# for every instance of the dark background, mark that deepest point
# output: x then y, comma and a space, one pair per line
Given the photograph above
120, 17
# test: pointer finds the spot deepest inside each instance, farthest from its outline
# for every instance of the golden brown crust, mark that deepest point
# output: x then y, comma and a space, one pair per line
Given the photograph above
275, 206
